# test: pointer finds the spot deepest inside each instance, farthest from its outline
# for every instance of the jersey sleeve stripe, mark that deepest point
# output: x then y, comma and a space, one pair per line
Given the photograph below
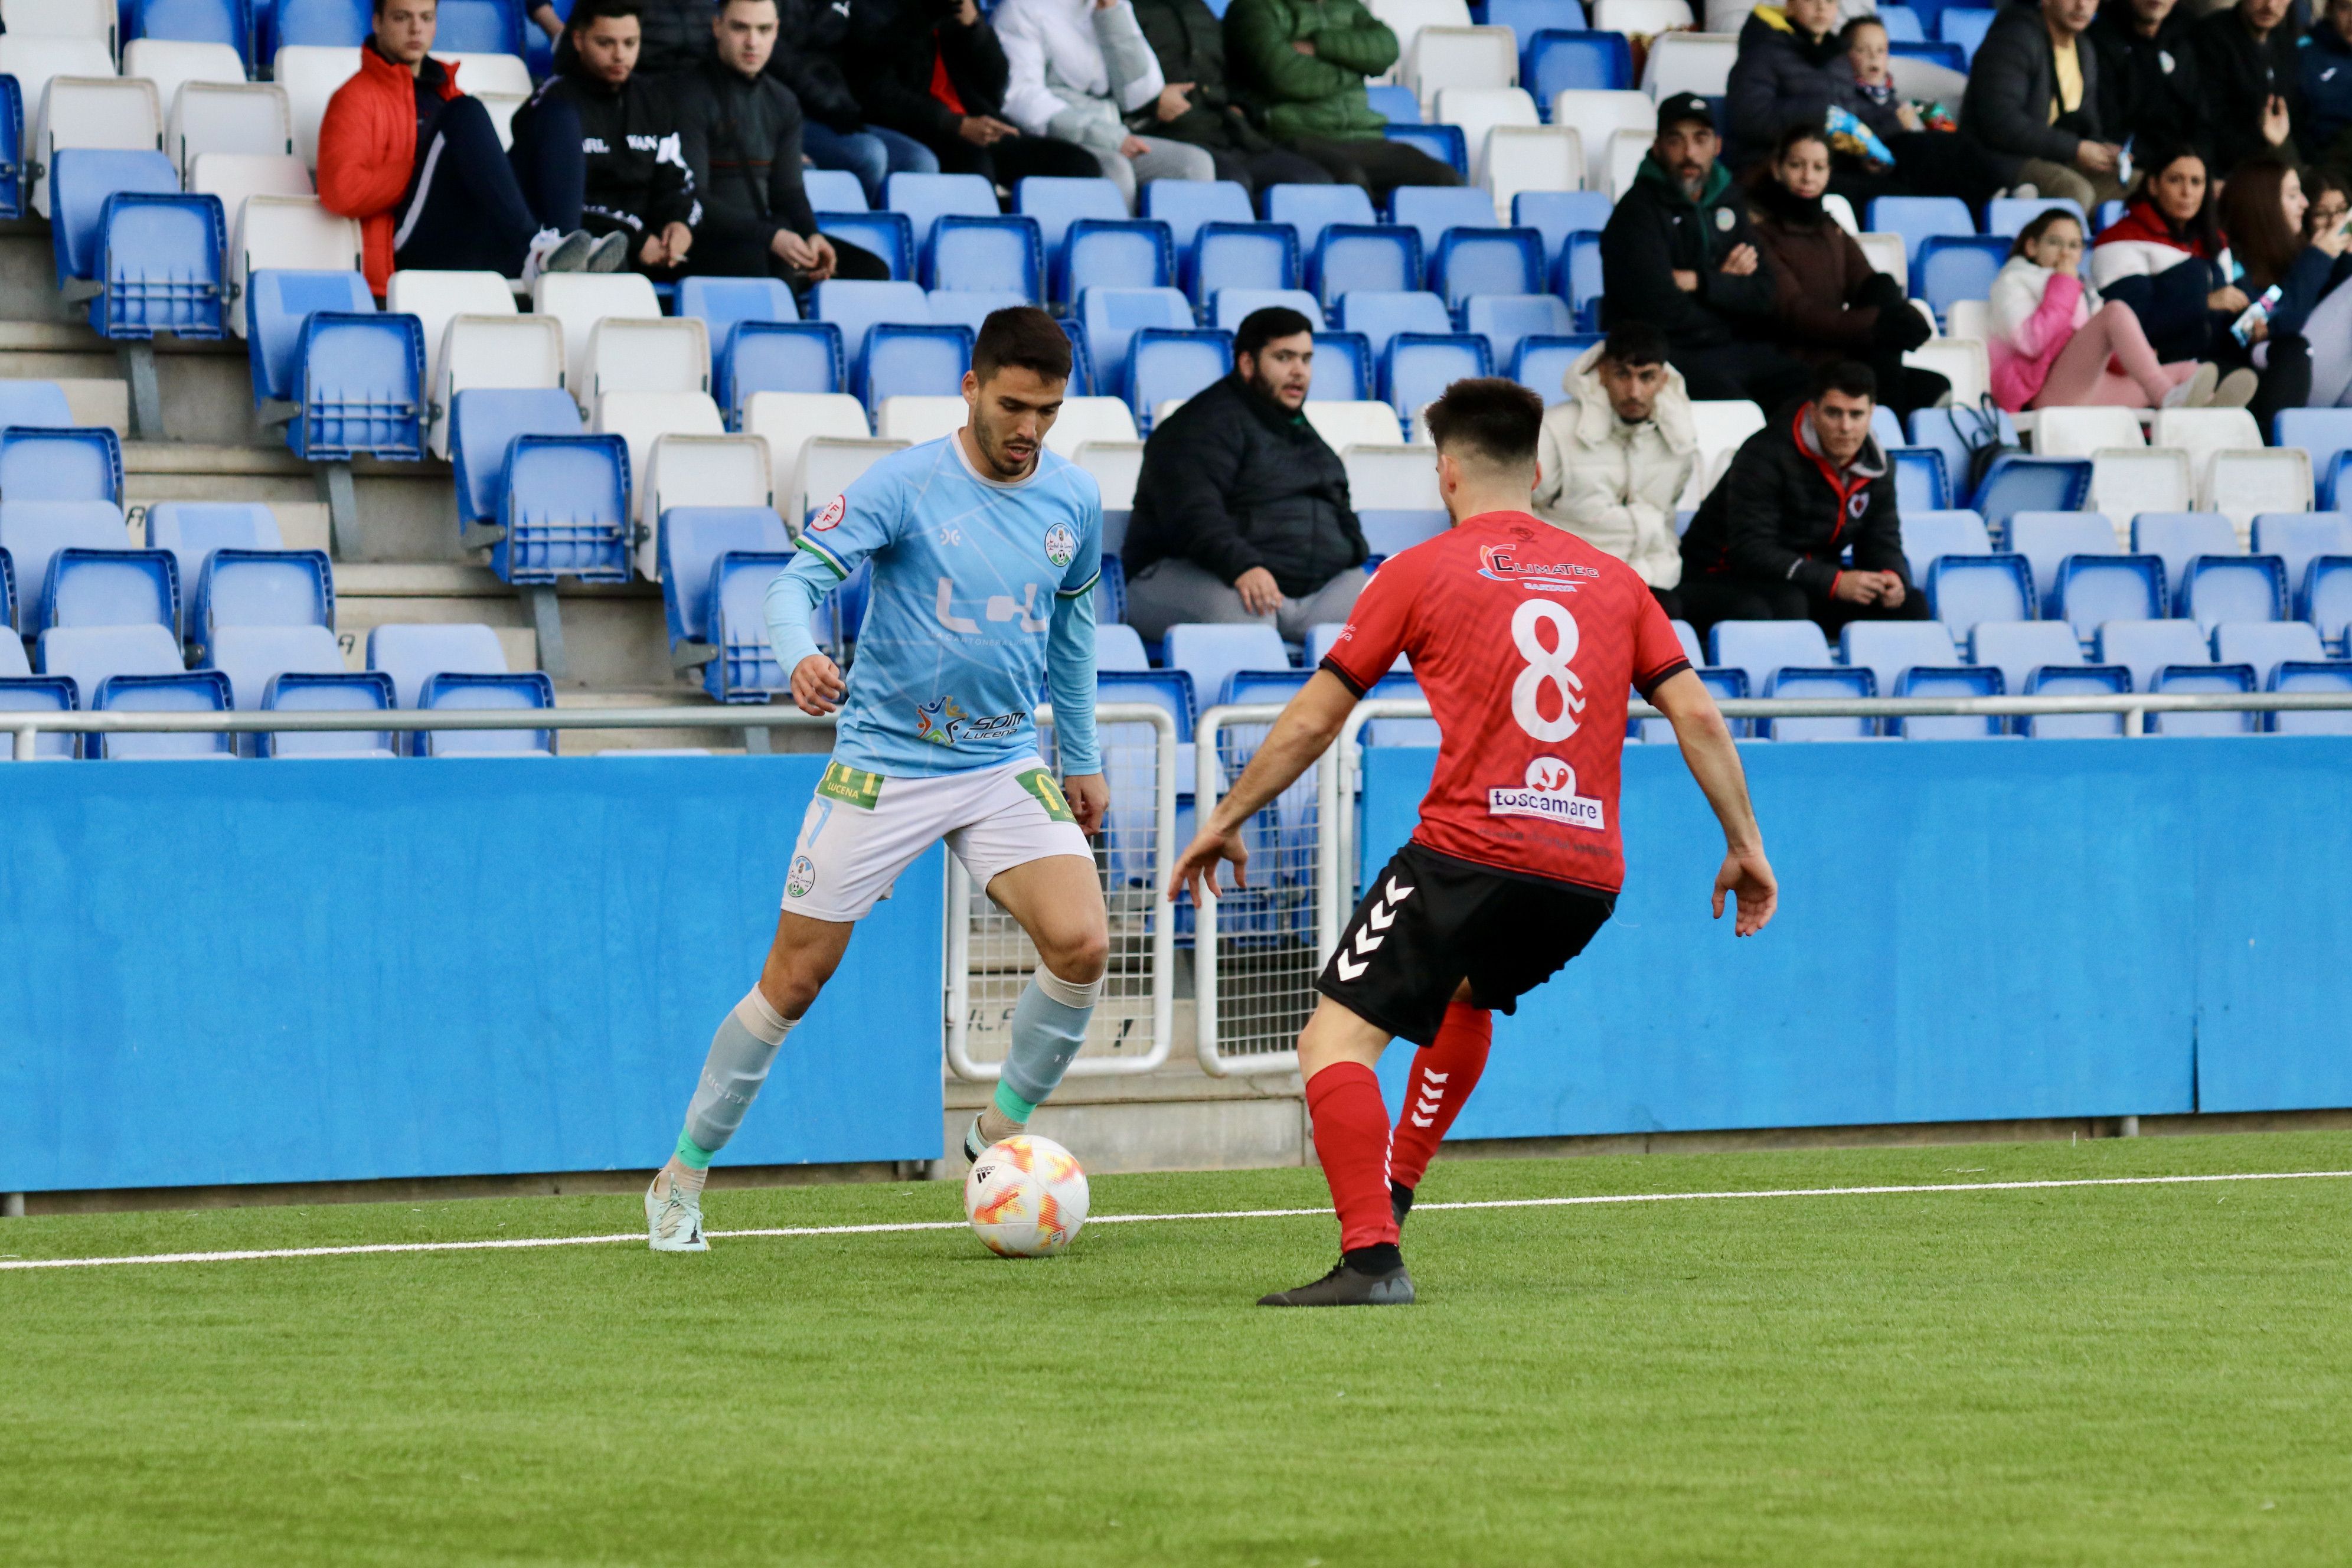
1084, 588
1346, 677
831, 562
1659, 677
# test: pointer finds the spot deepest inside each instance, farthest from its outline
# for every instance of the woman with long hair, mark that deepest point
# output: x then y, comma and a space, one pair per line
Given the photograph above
2266, 212
2054, 341
2164, 259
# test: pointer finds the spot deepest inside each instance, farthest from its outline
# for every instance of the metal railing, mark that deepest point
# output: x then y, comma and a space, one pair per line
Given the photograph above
28, 726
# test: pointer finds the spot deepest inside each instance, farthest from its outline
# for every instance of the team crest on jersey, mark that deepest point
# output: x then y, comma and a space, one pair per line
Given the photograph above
1856, 504
831, 516
1549, 794
939, 722
1061, 545
802, 879
1502, 563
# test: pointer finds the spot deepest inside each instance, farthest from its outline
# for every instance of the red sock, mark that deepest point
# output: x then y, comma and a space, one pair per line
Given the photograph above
1442, 1078
1352, 1139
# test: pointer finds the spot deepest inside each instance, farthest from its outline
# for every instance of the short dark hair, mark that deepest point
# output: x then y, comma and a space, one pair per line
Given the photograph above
1850, 377
1261, 327
587, 14
1636, 343
1023, 336
1847, 32
1490, 415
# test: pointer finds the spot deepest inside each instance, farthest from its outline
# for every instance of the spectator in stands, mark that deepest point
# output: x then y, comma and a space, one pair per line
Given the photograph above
2325, 77
1831, 302
418, 163
2033, 104
2054, 340
676, 37
1768, 540
1241, 511
596, 116
1613, 459
1301, 65
1078, 68
1195, 105
2328, 331
935, 70
2266, 213
2248, 73
741, 132
2162, 259
1680, 254
1794, 68
811, 35
2147, 74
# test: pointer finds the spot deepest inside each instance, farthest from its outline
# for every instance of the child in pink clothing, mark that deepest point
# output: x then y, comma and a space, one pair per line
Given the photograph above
2055, 344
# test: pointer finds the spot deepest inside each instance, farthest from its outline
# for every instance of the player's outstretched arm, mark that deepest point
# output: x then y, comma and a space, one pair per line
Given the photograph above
1714, 761
1305, 731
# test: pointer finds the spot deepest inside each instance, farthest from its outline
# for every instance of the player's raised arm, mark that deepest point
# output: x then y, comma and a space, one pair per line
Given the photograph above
1714, 761
1308, 726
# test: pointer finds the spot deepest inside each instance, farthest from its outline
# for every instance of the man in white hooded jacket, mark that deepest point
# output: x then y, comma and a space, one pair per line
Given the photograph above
1614, 459
1079, 67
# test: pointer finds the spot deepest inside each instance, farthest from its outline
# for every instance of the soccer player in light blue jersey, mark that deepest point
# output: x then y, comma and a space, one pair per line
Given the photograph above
985, 548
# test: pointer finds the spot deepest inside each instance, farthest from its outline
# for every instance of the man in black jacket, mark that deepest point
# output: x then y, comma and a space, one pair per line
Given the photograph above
1679, 254
2032, 103
741, 130
2148, 89
1768, 540
676, 35
935, 70
810, 38
1241, 511
2251, 76
631, 176
1195, 106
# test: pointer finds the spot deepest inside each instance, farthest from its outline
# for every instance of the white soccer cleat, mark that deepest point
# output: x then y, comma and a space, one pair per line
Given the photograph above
673, 1218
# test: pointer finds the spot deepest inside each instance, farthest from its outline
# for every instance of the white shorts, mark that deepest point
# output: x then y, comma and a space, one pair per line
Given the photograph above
862, 829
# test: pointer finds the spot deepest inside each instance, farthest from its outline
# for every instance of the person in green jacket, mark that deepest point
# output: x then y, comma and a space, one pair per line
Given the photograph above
1300, 66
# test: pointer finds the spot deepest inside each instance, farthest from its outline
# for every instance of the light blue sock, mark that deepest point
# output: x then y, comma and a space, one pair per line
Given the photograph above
1049, 1025
740, 1054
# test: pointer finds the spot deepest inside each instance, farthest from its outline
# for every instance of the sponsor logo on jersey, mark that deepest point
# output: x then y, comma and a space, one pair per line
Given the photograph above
1041, 785
1549, 794
830, 517
851, 786
802, 879
938, 722
1061, 545
1502, 563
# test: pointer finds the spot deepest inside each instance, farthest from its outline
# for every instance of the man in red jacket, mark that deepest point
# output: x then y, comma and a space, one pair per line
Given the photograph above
419, 164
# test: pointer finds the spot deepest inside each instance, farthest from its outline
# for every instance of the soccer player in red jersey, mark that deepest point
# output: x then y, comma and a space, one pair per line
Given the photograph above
1525, 641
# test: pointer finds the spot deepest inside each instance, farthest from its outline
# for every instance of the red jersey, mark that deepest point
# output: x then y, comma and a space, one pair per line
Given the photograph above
1525, 640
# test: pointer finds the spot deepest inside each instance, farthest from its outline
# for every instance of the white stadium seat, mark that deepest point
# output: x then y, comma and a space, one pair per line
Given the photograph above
1626, 151
232, 176
1116, 466
435, 299
1531, 158
501, 106
1461, 56
2079, 432
627, 353
580, 299
641, 418
249, 119
1403, 477
480, 74
831, 464
1085, 419
104, 111
1345, 424
2202, 432
1641, 18
1963, 362
2128, 480
293, 233
1720, 426
2243, 485
790, 421
1841, 209
490, 350
169, 65
1406, 18
1480, 110
1596, 114
915, 418
90, 20
695, 470
310, 76
1887, 253
1690, 62
1970, 318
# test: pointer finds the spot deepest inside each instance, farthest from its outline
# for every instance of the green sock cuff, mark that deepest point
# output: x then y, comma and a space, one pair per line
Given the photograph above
690, 1152
1011, 1104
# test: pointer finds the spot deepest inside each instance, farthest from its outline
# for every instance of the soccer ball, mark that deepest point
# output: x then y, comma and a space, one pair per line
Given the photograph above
1027, 1197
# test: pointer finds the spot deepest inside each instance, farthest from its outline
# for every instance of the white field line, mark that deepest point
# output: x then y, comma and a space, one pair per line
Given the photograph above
511, 1243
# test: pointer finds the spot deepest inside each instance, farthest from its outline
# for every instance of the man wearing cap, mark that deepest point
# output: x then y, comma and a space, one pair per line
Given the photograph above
1679, 255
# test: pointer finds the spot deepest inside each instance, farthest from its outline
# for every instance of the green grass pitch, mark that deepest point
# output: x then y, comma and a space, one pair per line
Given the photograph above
2126, 1375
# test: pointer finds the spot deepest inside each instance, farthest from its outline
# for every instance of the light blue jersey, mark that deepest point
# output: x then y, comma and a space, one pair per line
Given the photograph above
982, 600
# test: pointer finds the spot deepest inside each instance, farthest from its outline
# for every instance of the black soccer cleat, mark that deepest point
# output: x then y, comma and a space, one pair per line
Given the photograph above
1400, 1202
1349, 1287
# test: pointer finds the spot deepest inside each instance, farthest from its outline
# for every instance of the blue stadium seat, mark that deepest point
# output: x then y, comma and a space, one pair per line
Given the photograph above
519, 693
81, 462
1228, 307
161, 265
2175, 536
1952, 681
746, 668
321, 24
33, 531
1920, 485
566, 509
111, 588
1920, 219
261, 589
1529, 17
972, 307
1344, 370
1956, 266
1310, 209
23, 692
484, 423
277, 305
1831, 682
1057, 203
2006, 216
33, 403
2092, 590
833, 191
1931, 532
1171, 365
1120, 647
179, 691
2017, 648
904, 359
1576, 277
2335, 678
94, 655
1419, 366
297, 691
1127, 756
1110, 586
11, 147
1387, 533
1253, 257
1111, 317
2217, 588
1475, 261
253, 658
857, 308
1902, 25
362, 391
1185, 204
1109, 250
2204, 679
2326, 600
1211, 653
84, 179
1503, 319
994, 255
1397, 105
1543, 364
1760, 647
692, 540
1381, 314
2081, 680
1885, 428
410, 652
192, 530
776, 356
1556, 215
722, 303
1963, 590
1444, 142
927, 198
1888, 649
2324, 433
1431, 210
2296, 537
887, 235
2266, 644
1957, 433
1349, 259
1964, 25
1553, 60
478, 27
2047, 538
2145, 648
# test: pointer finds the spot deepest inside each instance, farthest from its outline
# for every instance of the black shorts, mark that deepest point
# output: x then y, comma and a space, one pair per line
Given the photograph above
1430, 921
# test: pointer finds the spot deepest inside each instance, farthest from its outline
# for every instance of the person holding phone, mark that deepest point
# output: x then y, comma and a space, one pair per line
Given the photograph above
2298, 265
